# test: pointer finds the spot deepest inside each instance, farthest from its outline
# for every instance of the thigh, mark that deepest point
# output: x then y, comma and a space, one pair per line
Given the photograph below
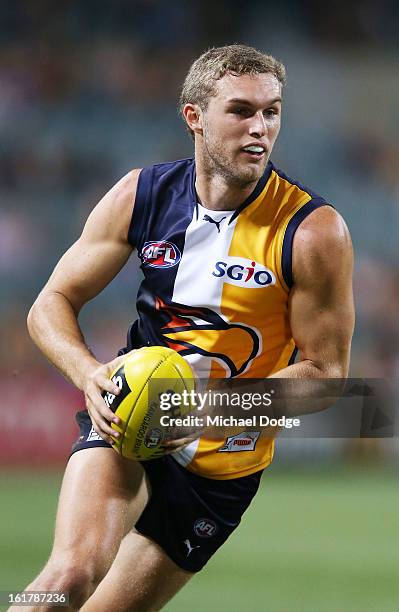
101, 497
142, 578
186, 520
190, 516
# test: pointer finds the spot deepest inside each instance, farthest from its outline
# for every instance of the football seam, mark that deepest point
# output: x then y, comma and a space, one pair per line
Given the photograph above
180, 376
142, 389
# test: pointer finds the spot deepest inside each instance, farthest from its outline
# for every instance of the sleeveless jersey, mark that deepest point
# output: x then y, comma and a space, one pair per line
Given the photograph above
215, 289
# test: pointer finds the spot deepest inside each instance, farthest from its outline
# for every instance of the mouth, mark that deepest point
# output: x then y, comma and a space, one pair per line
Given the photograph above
255, 152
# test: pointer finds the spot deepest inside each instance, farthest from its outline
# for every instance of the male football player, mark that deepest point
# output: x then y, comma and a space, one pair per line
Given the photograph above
241, 264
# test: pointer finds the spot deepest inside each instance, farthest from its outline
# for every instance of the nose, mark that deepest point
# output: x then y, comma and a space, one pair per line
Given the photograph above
257, 127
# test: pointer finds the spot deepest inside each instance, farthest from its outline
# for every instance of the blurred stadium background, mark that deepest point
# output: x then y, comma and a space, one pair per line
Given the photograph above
88, 91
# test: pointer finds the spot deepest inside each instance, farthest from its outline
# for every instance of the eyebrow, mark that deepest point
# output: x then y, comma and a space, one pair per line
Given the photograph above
248, 103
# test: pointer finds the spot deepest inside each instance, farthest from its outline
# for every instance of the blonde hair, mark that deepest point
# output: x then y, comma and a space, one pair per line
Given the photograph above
200, 83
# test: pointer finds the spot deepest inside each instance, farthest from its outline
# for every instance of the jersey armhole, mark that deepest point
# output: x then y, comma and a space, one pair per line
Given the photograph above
292, 226
143, 196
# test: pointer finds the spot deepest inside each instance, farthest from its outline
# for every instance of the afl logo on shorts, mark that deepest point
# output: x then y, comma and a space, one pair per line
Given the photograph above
160, 254
205, 528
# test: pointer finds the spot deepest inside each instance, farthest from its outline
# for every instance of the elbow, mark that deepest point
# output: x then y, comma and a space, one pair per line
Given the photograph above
31, 319
329, 370
336, 365
339, 370
35, 314
336, 375
338, 379
340, 366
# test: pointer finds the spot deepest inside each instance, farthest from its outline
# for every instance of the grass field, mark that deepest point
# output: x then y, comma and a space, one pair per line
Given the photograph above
325, 541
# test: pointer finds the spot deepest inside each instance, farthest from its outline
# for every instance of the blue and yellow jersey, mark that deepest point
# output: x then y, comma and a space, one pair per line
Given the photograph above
216, 287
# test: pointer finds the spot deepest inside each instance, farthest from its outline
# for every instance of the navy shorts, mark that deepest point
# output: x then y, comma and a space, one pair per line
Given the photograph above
189, 516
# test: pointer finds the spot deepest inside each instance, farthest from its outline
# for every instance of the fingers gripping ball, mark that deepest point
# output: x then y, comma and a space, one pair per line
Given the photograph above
143, 376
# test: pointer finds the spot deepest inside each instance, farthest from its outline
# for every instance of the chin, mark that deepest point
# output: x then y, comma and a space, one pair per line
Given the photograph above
252, 174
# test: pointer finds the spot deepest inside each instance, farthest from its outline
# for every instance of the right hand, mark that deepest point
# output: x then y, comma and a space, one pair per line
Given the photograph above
101, 416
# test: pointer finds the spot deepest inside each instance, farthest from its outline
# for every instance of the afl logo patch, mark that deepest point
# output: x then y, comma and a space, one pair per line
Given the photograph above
160, 254
153, 438
205, 528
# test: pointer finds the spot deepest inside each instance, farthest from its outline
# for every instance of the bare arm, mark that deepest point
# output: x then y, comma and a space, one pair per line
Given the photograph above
81, 274
321, 315
321, 301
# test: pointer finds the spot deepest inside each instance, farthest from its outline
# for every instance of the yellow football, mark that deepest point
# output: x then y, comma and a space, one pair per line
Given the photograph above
143, 376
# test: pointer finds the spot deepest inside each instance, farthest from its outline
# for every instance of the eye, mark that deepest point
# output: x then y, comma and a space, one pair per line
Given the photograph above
270, 112
241, 111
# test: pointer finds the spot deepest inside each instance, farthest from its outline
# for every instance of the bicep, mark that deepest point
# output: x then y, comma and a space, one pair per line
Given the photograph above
86, 268
102, 249
321, 300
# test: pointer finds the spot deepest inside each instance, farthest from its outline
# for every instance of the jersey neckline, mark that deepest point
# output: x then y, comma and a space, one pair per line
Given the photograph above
260, 185
212, 212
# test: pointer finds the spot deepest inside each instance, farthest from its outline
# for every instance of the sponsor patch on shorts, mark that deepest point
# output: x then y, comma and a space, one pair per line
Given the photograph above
244, 441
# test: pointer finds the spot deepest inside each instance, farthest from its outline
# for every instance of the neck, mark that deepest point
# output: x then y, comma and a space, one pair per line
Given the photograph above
215, 191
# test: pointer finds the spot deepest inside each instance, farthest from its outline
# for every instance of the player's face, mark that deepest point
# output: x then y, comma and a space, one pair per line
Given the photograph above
240, 126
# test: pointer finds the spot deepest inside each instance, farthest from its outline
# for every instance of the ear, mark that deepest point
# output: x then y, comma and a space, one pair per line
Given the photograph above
193, 116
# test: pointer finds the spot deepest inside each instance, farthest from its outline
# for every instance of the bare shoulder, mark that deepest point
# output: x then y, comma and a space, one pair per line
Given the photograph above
322, 243
101, 250
113, 213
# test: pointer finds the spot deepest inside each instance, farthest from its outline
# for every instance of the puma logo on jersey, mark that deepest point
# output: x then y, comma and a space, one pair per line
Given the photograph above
217, 223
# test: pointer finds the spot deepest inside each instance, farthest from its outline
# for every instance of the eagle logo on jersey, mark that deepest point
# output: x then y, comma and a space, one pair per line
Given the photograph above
189, 330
